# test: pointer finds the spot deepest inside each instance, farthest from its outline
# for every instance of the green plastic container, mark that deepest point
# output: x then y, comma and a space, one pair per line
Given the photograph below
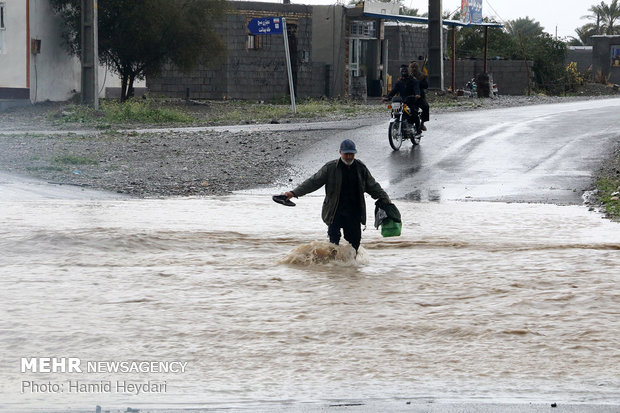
390, 228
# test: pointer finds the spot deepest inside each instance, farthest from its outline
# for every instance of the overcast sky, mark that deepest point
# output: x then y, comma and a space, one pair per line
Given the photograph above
563, 14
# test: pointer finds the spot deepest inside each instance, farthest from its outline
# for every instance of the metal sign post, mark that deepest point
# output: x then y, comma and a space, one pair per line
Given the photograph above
288, 66
271, 25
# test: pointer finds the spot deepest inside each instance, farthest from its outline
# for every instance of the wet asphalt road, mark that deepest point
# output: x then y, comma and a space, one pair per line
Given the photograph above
539, 153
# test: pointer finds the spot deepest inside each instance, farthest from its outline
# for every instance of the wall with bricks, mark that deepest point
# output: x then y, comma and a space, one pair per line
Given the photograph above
582, 55
509, 75
601, 57
251, 73
408, 42
260, 73
328, 48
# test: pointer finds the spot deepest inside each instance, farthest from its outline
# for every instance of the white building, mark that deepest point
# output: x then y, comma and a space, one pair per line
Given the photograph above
34, 64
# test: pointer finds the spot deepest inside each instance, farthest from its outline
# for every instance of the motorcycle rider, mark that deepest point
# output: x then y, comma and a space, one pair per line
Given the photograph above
409, 90
416, 73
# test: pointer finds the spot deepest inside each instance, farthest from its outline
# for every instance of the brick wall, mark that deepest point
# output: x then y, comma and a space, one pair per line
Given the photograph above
509, 75
581, 55
405, 43
261, 73
252, 74
601, 57
408, 42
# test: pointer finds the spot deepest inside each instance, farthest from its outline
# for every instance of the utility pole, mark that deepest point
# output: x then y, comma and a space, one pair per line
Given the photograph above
435, 45
89, 59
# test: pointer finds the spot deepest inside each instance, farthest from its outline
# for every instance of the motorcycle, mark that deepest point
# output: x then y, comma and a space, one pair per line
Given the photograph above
399, 129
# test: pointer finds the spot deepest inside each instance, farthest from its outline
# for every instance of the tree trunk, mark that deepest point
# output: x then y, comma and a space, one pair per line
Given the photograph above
123, 87
130, 89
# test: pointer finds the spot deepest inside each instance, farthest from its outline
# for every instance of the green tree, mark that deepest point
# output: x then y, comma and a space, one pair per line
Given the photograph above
407, 11
548, 55
596, 12
470, 43
137, 38
528, 27
606, 17
583, 35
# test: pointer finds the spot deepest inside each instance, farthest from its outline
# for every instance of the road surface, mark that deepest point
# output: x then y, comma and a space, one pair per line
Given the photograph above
539, 153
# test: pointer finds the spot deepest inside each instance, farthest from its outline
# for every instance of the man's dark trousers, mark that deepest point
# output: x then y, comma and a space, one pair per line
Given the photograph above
351, 227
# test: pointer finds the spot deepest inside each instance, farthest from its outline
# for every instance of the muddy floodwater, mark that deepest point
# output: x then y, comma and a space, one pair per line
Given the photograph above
475, 301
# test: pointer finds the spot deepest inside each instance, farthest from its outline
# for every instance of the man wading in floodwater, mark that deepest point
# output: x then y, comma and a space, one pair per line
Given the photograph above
345, 179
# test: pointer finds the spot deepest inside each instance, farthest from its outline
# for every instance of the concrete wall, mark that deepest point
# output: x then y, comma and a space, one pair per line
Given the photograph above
14, 50
53, 74
328, 46
509, 75
321, 40
601, 57
252, 74
405, 43
409, 42
582, 55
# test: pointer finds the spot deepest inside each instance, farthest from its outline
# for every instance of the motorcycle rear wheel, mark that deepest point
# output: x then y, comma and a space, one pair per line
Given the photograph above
395, 136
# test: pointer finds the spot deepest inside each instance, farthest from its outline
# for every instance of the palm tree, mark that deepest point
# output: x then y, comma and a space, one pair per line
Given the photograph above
597, 11
528, 27
583, 35
606, 16
611, 17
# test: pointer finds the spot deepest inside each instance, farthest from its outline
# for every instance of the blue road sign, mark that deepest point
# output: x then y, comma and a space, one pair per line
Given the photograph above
265, 25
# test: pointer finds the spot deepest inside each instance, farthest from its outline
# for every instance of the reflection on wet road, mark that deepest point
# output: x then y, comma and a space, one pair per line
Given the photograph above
543, 153
501, 301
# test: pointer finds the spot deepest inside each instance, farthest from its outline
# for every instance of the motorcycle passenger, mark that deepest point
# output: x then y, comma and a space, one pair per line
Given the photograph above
416, 73
409, 90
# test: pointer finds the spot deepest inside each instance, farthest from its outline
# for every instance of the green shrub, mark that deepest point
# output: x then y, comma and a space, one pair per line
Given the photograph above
608, 189
573, 77
141, 110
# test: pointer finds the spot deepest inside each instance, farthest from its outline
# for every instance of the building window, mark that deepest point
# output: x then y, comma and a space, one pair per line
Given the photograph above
615, 55
254, 42
2, 16
364, 29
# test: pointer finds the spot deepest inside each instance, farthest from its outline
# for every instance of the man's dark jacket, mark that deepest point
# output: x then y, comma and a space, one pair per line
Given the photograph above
405, 87
330, 175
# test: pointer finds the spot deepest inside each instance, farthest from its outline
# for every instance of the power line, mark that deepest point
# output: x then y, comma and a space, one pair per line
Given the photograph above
496, 13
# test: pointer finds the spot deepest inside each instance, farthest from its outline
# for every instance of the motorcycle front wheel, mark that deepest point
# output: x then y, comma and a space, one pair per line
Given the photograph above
415, 139
395, 135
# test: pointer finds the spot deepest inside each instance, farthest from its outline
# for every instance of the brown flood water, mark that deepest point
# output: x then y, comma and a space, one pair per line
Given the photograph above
475, 301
